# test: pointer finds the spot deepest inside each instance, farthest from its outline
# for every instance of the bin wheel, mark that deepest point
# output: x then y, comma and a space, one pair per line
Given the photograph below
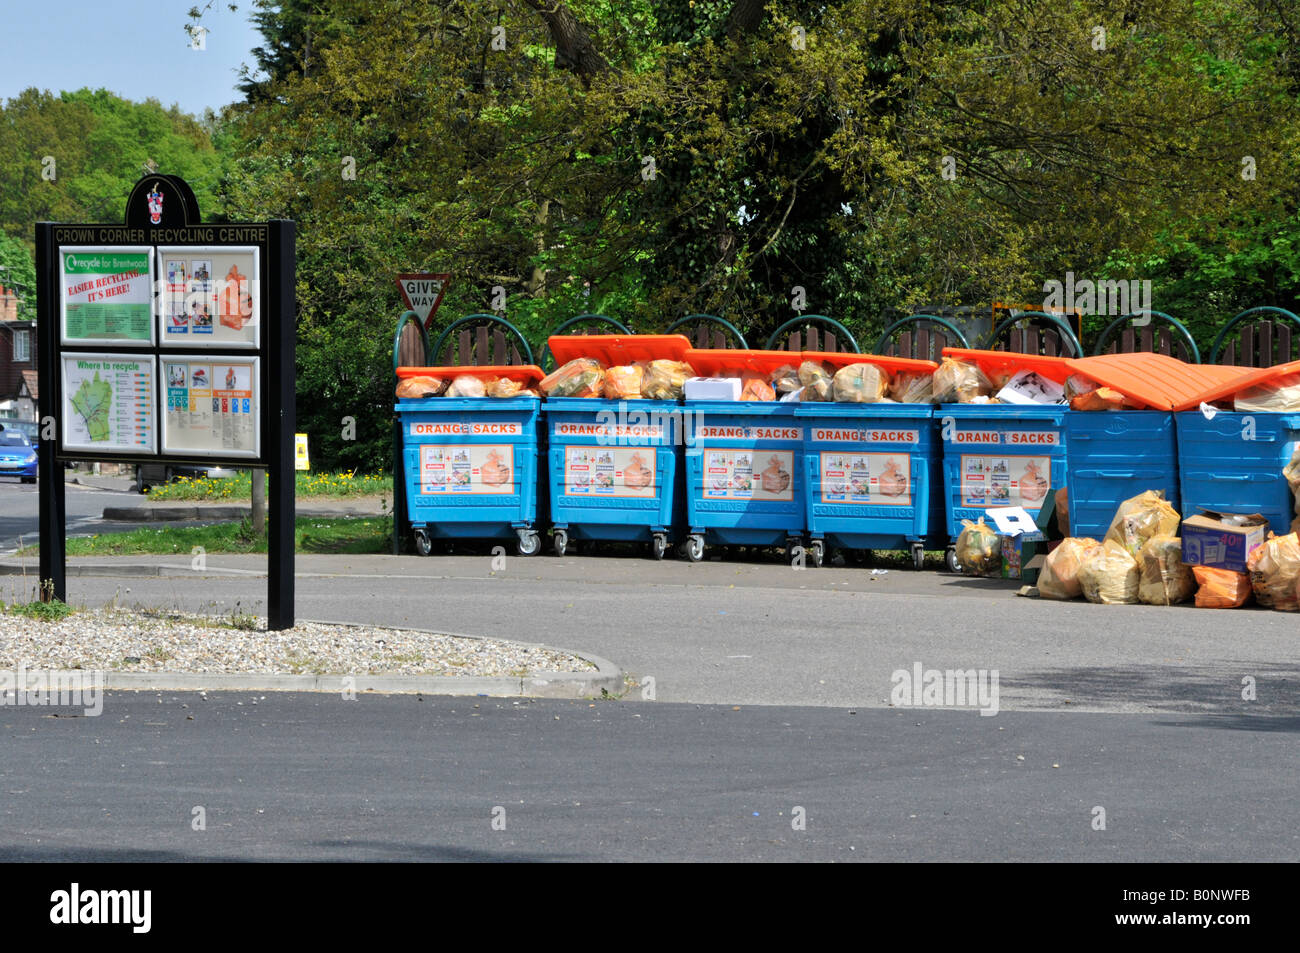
695, 547
530, 544
817, 553
658, 545
918, 556
950, 560
561, 542
423, 544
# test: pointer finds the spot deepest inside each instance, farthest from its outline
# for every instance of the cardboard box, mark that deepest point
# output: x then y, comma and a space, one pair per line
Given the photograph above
1013, 547
712, 388
1209, 540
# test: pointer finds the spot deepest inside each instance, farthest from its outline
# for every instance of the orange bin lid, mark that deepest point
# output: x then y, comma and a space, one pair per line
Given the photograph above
526, 374
711, 362
895, 365
614, 350
1241, 378
997, 362
1156, 380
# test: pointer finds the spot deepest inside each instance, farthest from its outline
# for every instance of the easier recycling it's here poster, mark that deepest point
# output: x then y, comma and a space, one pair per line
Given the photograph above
106, 295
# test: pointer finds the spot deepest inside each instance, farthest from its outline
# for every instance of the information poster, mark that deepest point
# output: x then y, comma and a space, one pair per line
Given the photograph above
452, 469
879, 478
212, 406
108, 403
749, 475
210, 296
106, 295
996, 480
609, 472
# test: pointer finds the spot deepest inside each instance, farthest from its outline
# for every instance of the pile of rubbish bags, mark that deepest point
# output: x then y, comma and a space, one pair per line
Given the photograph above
1140, 560
861, 383
462, 385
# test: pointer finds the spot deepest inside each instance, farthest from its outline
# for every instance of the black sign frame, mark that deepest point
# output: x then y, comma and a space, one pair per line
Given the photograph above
178, 226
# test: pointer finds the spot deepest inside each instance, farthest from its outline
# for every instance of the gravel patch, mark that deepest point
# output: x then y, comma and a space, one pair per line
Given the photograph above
119, 640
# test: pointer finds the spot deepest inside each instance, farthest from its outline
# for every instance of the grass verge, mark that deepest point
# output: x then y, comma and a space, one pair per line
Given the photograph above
344, 535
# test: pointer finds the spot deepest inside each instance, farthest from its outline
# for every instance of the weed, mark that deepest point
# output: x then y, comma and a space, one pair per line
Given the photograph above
50, 611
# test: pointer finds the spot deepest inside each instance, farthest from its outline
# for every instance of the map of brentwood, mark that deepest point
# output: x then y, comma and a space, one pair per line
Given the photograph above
108, 403
93, 400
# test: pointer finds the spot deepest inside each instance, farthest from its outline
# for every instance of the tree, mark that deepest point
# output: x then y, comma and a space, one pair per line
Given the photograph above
656, 159
74, 157
18, 274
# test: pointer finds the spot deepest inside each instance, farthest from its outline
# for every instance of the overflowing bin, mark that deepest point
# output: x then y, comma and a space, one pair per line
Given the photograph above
745, 480
1002, 454
471, 463
873, 470
614, 464
1115, 455
1231, 461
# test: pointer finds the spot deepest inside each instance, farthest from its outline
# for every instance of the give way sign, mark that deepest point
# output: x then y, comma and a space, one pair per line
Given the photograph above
422, 293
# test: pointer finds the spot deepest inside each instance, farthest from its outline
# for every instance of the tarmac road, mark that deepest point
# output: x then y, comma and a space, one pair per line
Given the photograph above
770, 692
314, 777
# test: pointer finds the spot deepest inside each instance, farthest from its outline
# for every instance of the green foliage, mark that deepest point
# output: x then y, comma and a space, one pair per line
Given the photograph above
793, 144
51, 611
95, 145
240, 486
650, 159
19, 274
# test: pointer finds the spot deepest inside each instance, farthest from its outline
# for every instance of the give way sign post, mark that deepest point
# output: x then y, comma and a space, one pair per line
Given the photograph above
422, 293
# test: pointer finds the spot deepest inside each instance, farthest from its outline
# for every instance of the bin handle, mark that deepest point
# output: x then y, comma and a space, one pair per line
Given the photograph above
1111, 474
1242, 477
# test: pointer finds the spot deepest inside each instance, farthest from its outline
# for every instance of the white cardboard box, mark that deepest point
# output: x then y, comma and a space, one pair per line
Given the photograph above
712, 388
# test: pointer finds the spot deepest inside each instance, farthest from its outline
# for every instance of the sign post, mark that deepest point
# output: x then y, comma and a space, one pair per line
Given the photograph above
169, 341
422, 292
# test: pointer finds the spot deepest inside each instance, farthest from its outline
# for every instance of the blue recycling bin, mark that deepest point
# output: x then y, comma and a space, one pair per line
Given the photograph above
471, 469
613, 470
745, 479
1232, 463
871, 476
1115, 455
614, 466
999, 455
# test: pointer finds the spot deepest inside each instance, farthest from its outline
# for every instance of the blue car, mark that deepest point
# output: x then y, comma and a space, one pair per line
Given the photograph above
17, 456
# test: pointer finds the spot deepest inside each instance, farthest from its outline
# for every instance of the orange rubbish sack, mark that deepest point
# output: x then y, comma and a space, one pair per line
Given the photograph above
1220, 588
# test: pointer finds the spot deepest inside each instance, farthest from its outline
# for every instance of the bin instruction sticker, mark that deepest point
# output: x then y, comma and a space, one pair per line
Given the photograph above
996, 480
866, 478
732, 475
609, 471
459, 469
